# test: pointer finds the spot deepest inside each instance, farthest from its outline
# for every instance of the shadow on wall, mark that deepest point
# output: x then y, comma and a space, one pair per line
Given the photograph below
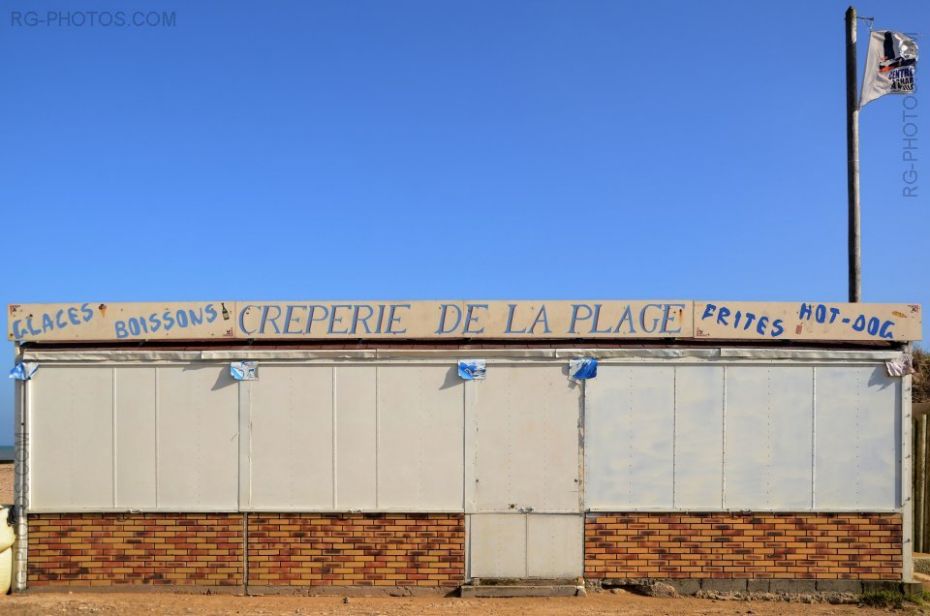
223, 378
450, 380
880, 378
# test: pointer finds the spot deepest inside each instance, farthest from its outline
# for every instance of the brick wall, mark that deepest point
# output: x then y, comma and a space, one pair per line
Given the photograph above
288, 549
315, 549
390, 549
859, 546
94, 549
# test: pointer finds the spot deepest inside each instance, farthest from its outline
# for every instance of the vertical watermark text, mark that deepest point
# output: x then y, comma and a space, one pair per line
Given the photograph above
909, 144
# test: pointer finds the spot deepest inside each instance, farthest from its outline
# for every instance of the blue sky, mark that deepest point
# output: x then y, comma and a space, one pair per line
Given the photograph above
369, 149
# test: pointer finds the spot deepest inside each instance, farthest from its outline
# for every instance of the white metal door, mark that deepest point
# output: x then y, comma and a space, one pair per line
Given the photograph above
523, 482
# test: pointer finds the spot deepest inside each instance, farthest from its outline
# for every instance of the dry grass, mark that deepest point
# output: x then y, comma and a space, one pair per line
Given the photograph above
921, 383
6, 484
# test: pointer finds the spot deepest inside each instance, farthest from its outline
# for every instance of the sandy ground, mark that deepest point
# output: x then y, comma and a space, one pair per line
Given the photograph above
6, 484
594, 604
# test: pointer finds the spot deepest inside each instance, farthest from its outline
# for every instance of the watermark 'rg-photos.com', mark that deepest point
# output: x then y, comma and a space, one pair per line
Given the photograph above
909, 147
93, 19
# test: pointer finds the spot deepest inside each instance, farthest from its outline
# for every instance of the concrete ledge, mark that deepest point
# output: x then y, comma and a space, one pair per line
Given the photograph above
722, 584
304, 591
691, 586
176, 589
793, 586
354, 591
501, 591
846, 586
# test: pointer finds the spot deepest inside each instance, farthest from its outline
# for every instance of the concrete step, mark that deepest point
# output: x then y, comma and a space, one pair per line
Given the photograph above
923, 579
521, 590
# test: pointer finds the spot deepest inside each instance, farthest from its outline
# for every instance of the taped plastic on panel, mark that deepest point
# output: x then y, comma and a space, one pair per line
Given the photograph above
23, 370
472, 369
902, 366
582, 368
244, 370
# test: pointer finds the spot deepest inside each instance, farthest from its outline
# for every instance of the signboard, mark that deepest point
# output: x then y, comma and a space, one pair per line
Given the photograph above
806, 321
94, 321
461, 319
466, 319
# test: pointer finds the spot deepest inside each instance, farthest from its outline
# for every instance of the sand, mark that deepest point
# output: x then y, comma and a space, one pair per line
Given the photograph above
595, 604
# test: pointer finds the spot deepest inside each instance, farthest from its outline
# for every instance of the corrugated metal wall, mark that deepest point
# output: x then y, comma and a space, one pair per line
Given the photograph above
354, 437
409, 435
318, 438
743, 437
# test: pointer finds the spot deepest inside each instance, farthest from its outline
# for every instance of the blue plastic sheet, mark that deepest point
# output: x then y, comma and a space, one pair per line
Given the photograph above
23, 371
244, 370
582, 369
472, 369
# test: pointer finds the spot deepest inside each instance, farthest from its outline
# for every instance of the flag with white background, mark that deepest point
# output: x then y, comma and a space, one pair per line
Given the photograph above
890, 67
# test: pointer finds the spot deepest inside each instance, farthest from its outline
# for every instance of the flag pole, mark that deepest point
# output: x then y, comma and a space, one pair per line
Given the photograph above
852, 159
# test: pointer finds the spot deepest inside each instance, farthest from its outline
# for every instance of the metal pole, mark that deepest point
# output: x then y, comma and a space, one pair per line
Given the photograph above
920, 484
852, 158
21, 481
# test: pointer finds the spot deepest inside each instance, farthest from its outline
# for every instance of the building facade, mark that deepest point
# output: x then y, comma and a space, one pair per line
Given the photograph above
758, 443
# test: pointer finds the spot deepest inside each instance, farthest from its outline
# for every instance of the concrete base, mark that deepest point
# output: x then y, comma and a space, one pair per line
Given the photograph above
690, 587
501, 590
354, 591
304, 591
178, 589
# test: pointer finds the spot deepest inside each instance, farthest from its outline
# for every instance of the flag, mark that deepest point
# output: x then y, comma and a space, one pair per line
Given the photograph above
244, 370
23, 371
582, 369
472, 369
890, 67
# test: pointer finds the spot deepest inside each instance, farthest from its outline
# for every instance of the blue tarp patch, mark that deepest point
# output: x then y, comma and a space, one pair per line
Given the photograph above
582, 369
472, 369
23, 371
244, 370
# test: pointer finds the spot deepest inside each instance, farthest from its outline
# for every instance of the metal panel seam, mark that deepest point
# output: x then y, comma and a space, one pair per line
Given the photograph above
244, 457
674, 430
377, 437
858, 439
335, 443
581, 447
768, 435
468, 470
157, 429
114, 458
251, 470
723, 444
813, 437
630, 435
904, 464
526, 545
